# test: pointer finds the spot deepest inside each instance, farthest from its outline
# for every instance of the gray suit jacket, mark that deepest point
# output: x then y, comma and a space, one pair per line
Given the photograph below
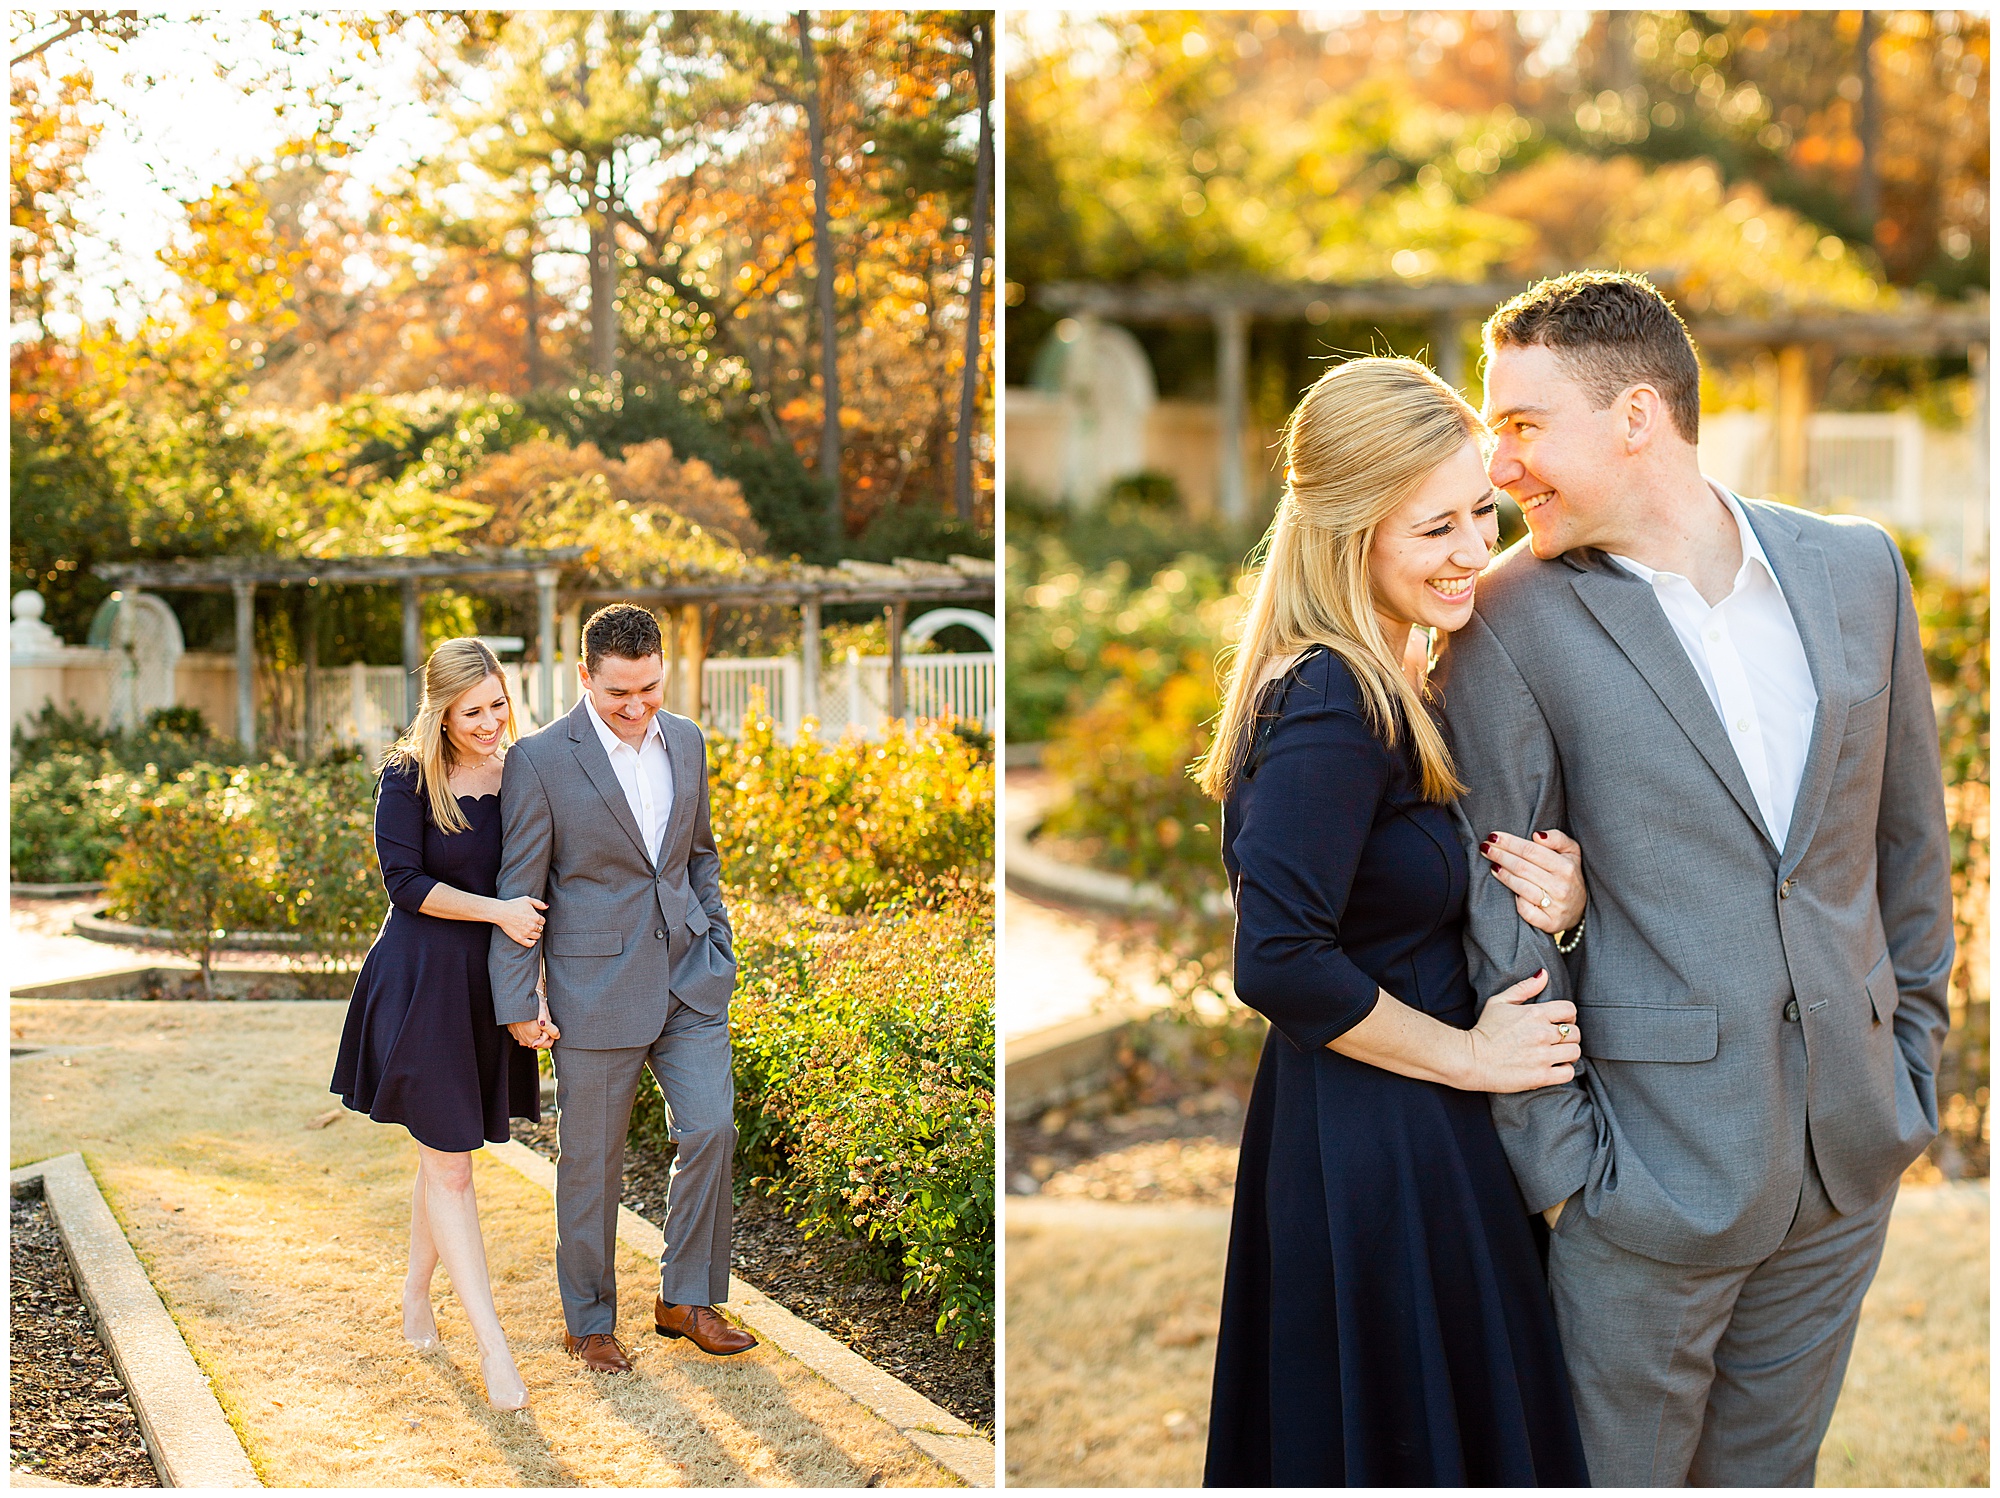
621, 933
1570, 703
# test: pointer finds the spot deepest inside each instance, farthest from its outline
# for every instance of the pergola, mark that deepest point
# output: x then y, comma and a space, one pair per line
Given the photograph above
796, 585
1230, 306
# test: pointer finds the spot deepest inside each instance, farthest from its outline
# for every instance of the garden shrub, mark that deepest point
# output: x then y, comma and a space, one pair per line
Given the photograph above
70, 810
864, 1087
1061, 624
171, 740
76, 790
325, 884
1132, 802
276, 847
845, 824
192, 866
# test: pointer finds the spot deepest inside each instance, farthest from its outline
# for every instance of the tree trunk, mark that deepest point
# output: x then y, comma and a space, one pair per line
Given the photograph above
829, 346
603, 278
531, 313
982, 189
1868, 183
1621, 63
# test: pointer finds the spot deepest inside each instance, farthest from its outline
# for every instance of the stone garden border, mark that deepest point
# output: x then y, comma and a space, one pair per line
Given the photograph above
188, 1437
263, 982
933, 1430
96, 926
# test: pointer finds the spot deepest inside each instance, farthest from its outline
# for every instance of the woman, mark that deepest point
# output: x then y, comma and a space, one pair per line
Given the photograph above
1384, 1317
421, 1047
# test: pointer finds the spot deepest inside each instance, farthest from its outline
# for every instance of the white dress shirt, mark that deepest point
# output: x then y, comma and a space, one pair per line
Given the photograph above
645, 773
1747, 652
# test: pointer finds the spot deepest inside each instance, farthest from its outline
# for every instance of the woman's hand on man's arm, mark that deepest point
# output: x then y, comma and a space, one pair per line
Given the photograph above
521, 917
1544, 874
1516, 1046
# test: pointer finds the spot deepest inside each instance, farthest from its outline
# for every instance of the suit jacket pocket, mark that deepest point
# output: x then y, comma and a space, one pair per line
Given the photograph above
1647, 1032
1868, 713
585, 943
697, 918
1883, 995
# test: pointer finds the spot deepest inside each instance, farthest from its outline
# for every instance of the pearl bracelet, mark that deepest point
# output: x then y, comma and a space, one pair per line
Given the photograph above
1575, 935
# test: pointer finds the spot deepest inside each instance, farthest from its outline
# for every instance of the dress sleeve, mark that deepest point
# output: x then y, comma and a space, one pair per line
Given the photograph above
399, 840
1303, 828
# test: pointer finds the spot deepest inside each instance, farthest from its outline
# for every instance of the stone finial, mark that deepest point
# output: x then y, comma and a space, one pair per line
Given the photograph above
30, 636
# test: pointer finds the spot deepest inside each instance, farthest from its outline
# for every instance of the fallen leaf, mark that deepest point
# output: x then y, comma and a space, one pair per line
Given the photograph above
331, 1116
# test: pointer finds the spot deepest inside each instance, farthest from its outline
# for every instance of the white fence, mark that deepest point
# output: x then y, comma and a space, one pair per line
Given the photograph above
853, 695
362, 706
1886, 465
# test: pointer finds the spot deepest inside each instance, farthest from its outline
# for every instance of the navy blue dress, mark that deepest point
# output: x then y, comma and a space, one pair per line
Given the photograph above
1385, 1321
421, 1047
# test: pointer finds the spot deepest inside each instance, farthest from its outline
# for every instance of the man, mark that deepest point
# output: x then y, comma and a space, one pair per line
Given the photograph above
604, 815
1724, 701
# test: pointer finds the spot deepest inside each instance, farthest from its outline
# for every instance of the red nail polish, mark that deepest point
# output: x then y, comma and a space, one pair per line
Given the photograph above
1541, 837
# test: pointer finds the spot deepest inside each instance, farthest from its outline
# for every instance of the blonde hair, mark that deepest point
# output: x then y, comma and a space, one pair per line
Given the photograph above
1365, 436
455, 668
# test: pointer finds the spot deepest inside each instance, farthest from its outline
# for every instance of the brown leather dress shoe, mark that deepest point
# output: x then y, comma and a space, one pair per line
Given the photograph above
701, 1326
599, 1352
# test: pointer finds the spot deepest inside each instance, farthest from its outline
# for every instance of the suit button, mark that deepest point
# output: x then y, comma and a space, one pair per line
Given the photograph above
659, 936
1792, 1011
1785, 890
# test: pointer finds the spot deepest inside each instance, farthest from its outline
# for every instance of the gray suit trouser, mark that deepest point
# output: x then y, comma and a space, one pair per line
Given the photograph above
594, 1092
1699, 1377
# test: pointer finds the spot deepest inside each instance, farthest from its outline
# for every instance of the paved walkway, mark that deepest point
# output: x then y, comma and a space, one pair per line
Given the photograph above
1056, 960
42, 949
274, 1223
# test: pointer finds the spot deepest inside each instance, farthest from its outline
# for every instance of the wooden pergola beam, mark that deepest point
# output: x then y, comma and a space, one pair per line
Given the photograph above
223, 574
1927, 330
785, 596
1202, 300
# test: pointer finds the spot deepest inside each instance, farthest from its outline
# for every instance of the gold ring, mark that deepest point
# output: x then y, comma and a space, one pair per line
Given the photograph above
1546, 902
1563, 1031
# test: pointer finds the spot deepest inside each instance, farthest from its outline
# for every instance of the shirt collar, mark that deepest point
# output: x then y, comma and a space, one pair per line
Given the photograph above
1753, 549
612, 743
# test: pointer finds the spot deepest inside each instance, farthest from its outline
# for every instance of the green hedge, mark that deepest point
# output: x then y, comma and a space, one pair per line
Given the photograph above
69, 813
845, 824
274, 847
1072, 629
864, 1087
76, 791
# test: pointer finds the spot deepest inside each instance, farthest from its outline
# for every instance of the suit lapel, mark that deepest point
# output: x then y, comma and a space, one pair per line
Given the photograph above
1808, 590
1632, 616
589, 750
683, 754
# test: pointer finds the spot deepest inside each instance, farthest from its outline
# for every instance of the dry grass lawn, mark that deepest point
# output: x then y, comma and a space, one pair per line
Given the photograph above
1913, 1412
1111, 1314
279, 1248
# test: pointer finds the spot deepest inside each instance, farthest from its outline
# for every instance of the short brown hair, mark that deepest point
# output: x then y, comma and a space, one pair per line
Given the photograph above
1610, 331
621, 629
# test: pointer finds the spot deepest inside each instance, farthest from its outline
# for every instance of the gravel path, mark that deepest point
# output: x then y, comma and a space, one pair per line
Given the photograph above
68, 1417
824, 1281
